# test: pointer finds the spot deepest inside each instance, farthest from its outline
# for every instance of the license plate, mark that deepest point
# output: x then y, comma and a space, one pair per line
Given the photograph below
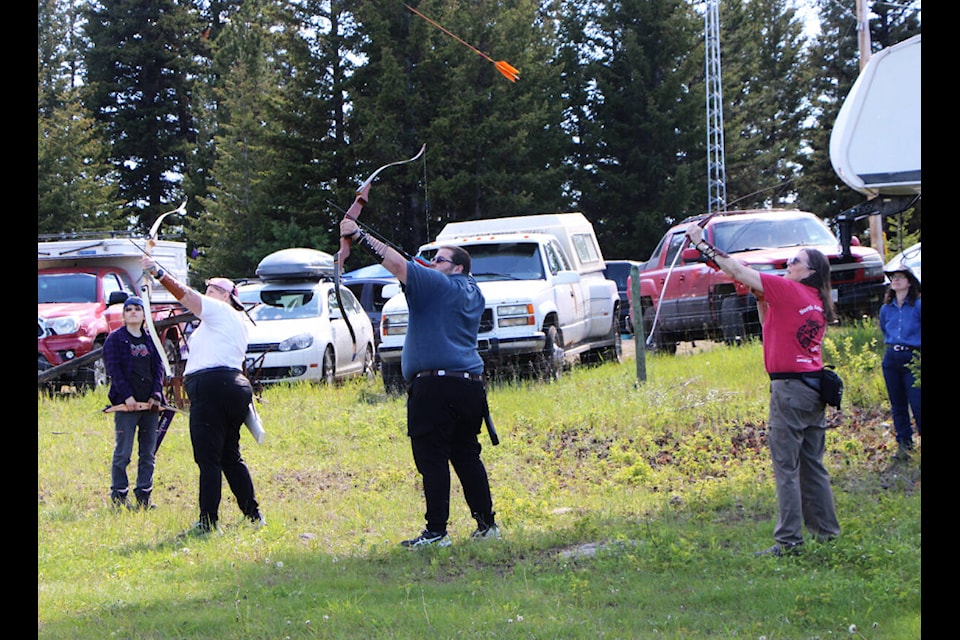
835, 294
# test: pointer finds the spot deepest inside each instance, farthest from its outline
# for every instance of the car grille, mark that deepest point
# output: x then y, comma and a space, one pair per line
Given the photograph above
486, 320
267, 374
262, 347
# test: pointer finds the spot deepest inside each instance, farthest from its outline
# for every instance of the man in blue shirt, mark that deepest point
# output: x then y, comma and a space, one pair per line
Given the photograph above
446, 396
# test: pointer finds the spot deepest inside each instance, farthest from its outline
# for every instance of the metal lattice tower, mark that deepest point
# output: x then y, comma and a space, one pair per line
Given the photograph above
716, 168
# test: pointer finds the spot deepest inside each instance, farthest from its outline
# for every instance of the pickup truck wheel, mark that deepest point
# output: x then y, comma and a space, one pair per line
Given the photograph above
551, 358
614, 353
392, 377
732, 320
329, 371
95, 375
660, 341
172, 353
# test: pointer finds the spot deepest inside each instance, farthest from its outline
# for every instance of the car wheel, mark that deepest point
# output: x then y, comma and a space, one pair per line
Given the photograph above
732, 320
392, 377
550, 364
95, 375
614, 353
369, 368
660, 340
329, 371
172, 352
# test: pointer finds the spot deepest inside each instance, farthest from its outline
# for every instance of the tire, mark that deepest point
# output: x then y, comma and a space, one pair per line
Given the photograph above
329, 370
732, 320
392, 377
369, 365
172, 352
614, 353
95, 375
660, 341
550, 362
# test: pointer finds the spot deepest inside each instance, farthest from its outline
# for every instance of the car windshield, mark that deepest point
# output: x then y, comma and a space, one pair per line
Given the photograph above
513, 260
66, 287
286, 305
735, 235
618, 273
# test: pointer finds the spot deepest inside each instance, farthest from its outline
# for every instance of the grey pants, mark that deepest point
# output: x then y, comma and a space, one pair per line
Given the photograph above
140, 425
797, 434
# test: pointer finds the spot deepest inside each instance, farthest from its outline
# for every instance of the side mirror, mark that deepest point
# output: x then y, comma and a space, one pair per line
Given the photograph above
690, 254
567, 277
117, 297
389, 290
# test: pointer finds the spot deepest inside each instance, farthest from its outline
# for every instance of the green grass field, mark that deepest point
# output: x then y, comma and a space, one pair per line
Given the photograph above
628, 510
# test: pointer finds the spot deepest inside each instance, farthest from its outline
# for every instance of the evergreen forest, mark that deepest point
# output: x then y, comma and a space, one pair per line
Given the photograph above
265, 116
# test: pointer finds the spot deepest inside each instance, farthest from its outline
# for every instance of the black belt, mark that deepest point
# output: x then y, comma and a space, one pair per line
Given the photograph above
793, 375
210, 370
903, 347
449, 374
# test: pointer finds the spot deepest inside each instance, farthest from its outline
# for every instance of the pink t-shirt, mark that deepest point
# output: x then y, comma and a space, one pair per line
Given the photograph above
793, 327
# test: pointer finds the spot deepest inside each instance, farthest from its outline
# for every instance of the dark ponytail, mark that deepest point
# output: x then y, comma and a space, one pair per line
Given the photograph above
820, 280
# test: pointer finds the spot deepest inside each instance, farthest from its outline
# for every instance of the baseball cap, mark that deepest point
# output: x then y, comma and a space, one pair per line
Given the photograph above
229, 287
133, 301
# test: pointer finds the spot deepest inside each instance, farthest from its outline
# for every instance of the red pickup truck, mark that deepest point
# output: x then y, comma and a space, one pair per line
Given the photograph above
682, 298
81, 286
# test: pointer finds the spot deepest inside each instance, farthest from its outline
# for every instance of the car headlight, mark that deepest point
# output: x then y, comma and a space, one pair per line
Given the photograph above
515, 315
64, 325
395, 324
296, 343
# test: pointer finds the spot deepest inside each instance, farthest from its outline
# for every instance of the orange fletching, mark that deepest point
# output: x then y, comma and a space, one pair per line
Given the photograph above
508, 70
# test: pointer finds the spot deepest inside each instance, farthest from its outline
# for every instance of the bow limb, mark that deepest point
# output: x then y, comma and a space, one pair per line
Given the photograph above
362, 196
145, 289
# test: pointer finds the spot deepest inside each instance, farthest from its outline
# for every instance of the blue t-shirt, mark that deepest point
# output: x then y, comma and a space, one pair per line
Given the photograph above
443, 323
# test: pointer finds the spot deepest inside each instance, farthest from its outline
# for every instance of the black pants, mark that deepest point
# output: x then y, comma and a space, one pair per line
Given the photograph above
444, 416
218, 405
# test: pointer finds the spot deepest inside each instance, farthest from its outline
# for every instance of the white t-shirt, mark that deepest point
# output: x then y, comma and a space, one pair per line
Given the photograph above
220, 340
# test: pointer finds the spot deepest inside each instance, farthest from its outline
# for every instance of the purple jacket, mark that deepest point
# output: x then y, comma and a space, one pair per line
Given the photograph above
119, 364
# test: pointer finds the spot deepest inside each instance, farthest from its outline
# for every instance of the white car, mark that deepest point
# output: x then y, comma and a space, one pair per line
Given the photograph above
910, 257
300, 332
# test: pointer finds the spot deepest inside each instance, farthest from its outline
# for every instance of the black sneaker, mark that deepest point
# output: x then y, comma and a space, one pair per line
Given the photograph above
198, 530
428, 539
778, 550
903, 452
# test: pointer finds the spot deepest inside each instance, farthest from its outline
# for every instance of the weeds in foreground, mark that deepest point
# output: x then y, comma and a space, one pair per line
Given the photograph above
629, 510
